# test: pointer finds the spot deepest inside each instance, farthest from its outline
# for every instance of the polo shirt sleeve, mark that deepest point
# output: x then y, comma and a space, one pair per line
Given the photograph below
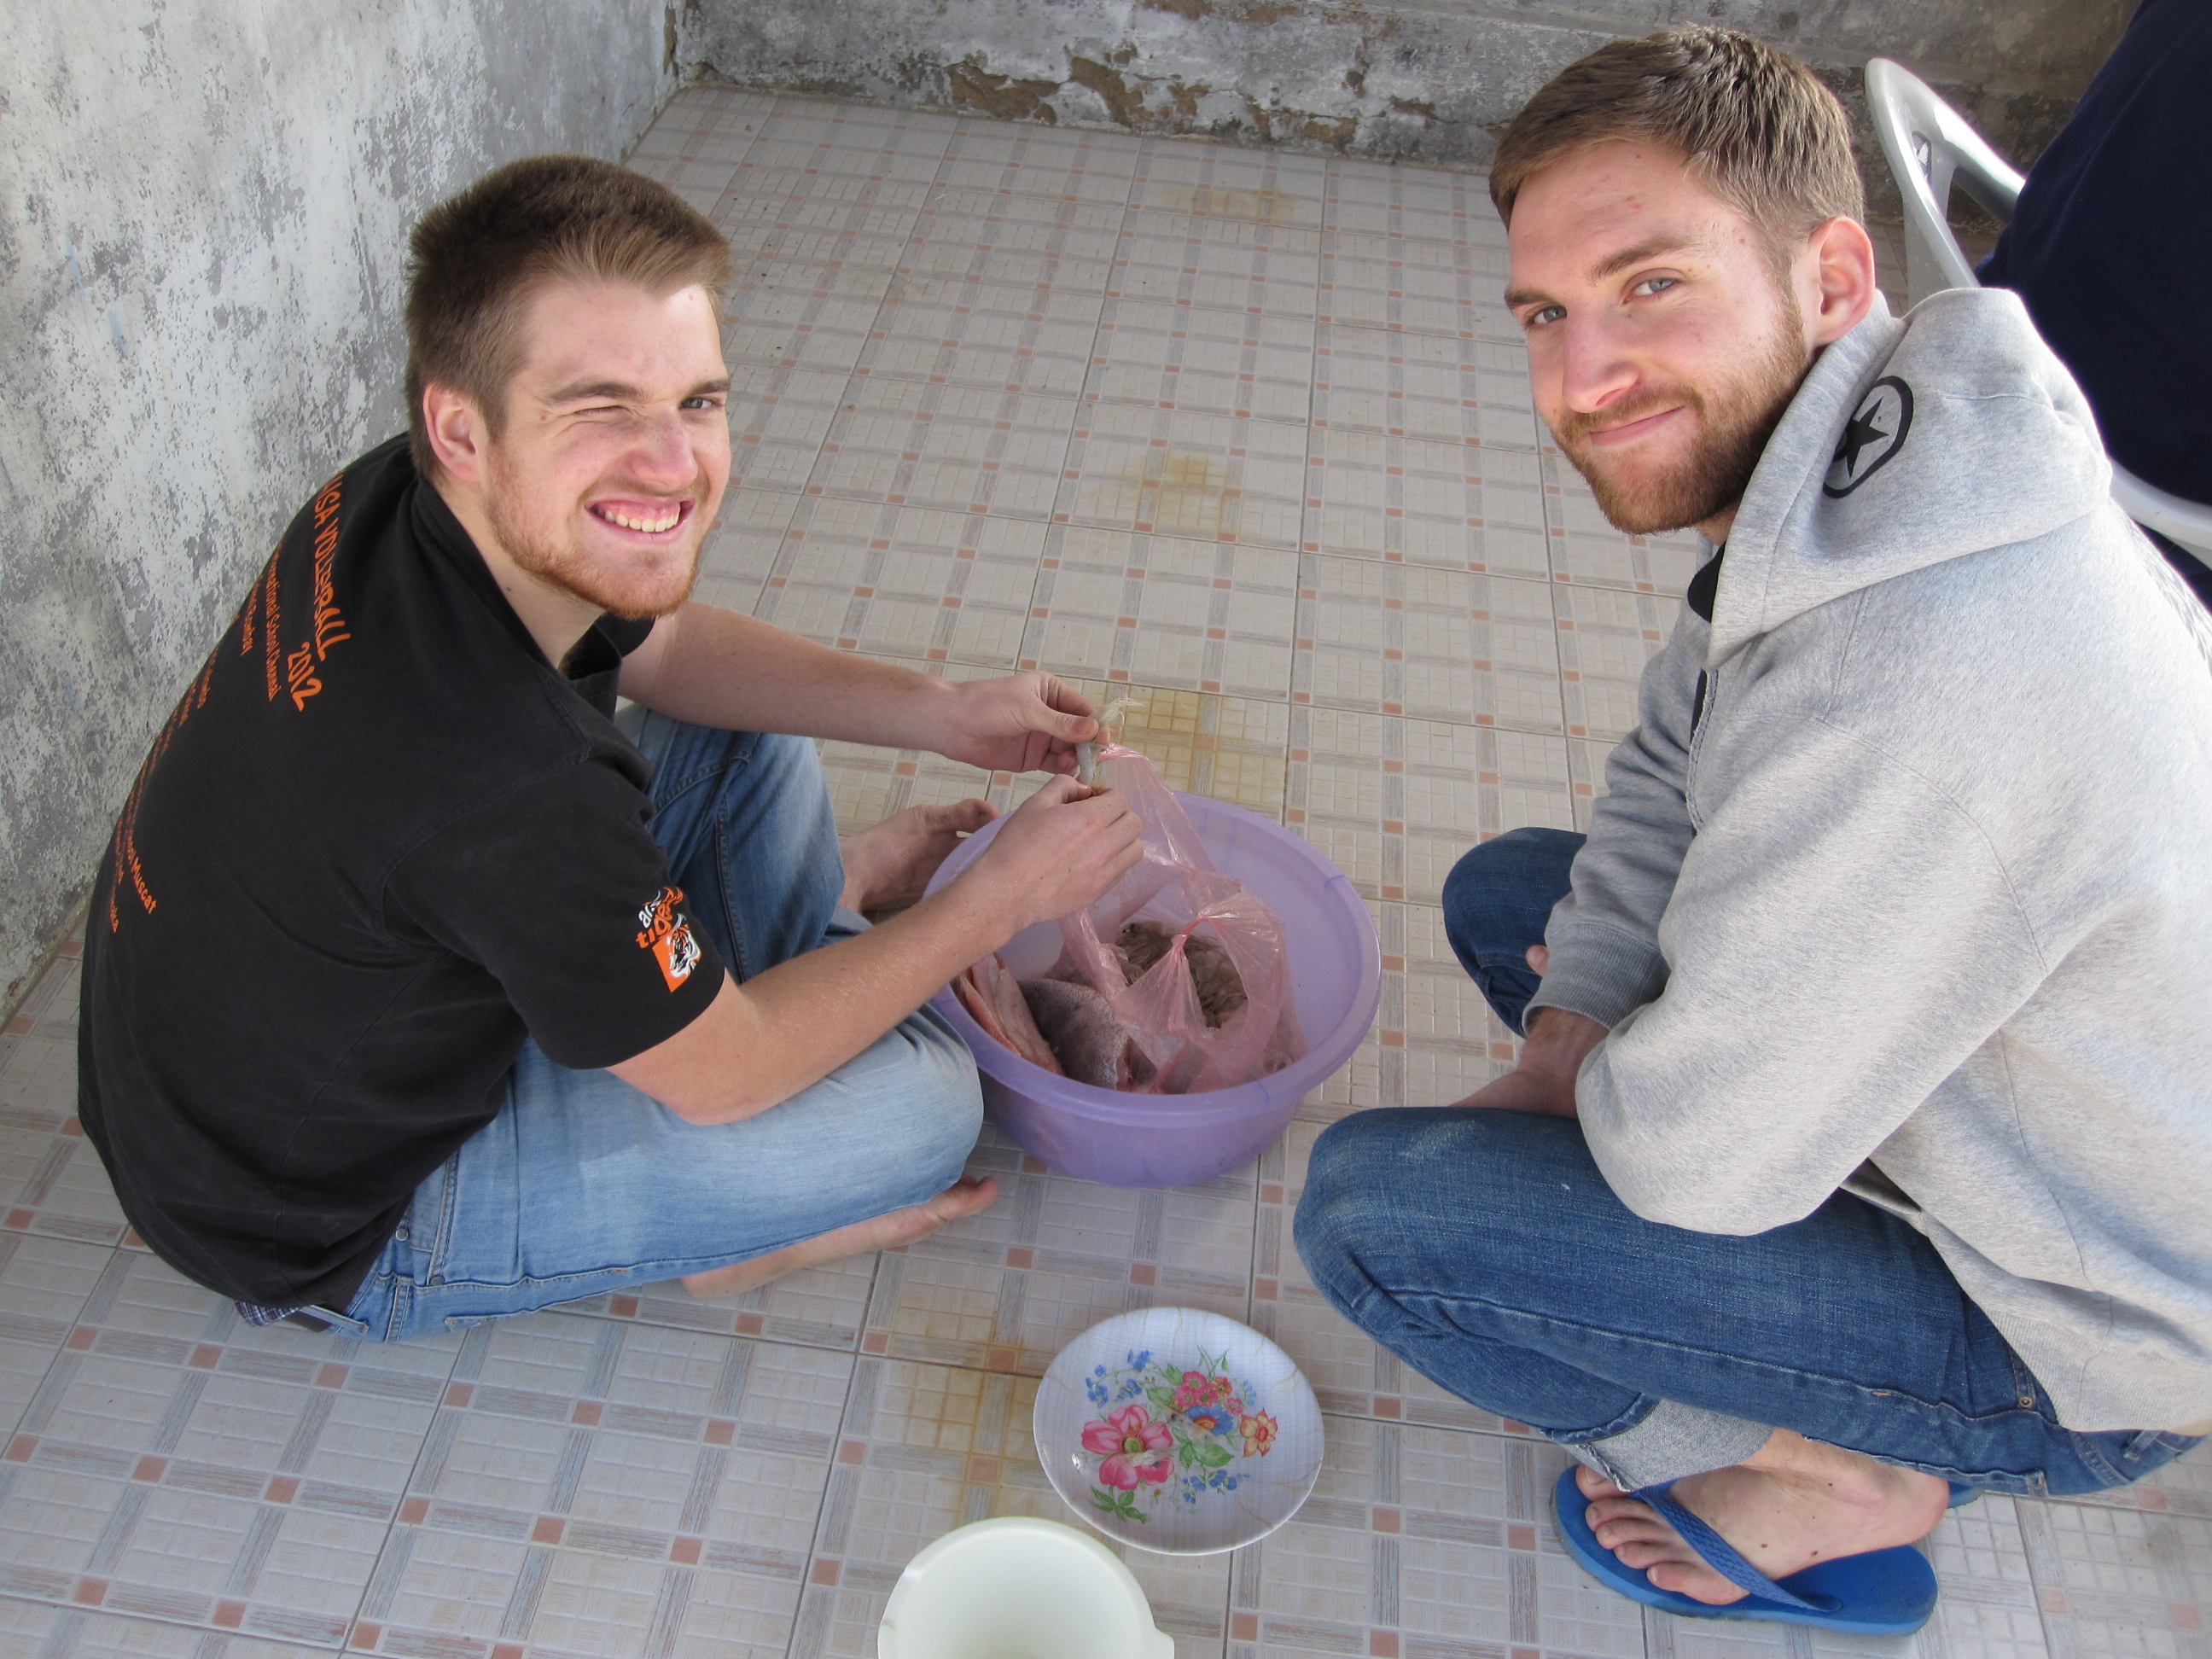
558, 892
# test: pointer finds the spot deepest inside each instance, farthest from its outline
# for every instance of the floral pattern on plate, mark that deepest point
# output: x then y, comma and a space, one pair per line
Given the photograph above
1168, 1430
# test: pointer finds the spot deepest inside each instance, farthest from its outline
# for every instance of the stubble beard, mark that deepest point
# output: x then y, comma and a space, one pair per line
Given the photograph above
573, 570
1735, 419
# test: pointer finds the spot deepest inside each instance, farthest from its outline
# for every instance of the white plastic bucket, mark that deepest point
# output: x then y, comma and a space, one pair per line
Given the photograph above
1019, 1589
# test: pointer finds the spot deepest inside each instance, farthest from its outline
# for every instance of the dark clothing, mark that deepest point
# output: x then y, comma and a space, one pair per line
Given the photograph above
2111, 248
380, 839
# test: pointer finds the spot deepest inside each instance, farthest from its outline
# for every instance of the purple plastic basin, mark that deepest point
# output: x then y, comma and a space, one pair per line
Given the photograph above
1174, 1140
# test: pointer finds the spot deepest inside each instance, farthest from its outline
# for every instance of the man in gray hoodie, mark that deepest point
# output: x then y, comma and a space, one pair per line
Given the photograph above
1860, 1149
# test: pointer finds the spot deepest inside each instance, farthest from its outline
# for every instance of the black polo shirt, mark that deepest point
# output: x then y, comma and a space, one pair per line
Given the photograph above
380, 840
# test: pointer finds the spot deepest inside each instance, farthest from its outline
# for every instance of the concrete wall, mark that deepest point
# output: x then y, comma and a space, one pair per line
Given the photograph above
1428, 80
202, 254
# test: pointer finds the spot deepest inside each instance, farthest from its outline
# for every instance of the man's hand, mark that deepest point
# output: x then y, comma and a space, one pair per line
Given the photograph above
1023, 723
1059, 850
1557, 1042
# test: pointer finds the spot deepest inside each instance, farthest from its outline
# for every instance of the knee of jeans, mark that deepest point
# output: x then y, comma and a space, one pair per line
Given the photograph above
939, 1107
1347, 1190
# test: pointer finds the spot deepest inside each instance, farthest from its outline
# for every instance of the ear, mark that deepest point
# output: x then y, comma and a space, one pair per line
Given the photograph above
1835, 278
458, 433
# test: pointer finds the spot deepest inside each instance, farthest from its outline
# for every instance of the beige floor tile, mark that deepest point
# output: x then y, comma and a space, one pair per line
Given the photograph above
1420, 1541
1178, 356
1203, 617
1439, 387
1427, 501
1606, 636
743, 547
1184, 473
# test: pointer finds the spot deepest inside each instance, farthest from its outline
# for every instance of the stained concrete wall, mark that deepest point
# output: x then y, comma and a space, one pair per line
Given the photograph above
1428, 80
201, 253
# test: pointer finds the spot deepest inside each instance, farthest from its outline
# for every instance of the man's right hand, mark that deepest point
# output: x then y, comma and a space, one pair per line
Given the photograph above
1558, 1042
1057, 852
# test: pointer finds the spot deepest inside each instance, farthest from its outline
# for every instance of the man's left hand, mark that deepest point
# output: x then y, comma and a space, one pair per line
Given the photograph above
1023, 723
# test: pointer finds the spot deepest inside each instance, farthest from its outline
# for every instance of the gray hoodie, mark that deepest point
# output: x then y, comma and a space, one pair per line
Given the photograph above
1904, 883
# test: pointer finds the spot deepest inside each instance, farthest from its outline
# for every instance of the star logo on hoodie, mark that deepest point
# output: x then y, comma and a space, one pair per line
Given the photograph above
1876, 432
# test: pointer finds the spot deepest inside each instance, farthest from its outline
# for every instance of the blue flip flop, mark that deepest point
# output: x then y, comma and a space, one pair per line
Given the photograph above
1882, 1593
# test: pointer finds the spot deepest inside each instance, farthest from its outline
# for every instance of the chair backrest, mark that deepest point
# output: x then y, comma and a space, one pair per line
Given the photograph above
1929, 148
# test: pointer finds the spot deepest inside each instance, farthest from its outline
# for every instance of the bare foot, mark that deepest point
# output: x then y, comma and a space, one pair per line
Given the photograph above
963, 1197
886, 867
1793, 1503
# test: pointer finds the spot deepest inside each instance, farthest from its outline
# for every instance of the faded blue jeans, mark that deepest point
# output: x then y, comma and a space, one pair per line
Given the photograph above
1483, 1248
582, 1184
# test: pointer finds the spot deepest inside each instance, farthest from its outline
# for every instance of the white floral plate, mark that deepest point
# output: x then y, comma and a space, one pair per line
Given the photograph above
1178, 1431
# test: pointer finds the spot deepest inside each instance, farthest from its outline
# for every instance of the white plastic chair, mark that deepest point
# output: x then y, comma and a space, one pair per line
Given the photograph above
1930, 149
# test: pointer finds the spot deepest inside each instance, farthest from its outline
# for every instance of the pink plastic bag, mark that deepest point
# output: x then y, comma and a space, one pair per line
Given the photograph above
1176, 886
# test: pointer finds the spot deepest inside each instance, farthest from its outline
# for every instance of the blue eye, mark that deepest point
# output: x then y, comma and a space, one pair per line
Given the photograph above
1657, 284
1544, 316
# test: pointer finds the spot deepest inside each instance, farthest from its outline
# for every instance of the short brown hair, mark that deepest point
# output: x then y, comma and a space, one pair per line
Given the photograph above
1770, 138
476, 259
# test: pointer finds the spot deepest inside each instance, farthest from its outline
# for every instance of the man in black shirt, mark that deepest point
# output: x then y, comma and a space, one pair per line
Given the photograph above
419, 991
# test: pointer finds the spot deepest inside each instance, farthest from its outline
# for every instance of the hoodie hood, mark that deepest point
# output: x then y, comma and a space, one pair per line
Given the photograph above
1910, 442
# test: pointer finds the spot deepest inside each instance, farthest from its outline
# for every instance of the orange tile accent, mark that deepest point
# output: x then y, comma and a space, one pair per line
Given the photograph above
1271, 1192
150, 1469
1144, 1272
1018, 1256
1001, 1360
586, 1413
205, 1358
89, 1592
1388, 1404
1393, 1039
2186, 1615
1382, 1645
824, 1571
547, 1529
72, 1129
984, 1471
460, 1393
415, 1512
1520, 1538
1266, 1289
332, 1376
506, 1651
18, 1026
623, 1307
749, 1324
20, 1220
684, 1551
229, 1615
80, 1339
853, 1452
283, 1488
1243, 1626
721, 1431
1389, 1520
877, 1342
364, 1638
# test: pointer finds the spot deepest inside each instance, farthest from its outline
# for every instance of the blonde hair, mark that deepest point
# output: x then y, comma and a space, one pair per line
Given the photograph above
1766, 135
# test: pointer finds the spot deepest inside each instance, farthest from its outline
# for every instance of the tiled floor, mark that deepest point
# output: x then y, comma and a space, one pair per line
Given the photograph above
1250, 434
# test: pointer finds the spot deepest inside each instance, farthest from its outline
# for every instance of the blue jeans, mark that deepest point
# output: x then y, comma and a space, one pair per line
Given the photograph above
582, 1184
1483, 1248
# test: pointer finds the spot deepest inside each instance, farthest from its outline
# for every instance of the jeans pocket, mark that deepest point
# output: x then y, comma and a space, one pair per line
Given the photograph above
2153, 1448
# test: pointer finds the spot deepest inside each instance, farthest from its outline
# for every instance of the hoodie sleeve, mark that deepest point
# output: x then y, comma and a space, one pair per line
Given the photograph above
1604, 935
1843, 938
